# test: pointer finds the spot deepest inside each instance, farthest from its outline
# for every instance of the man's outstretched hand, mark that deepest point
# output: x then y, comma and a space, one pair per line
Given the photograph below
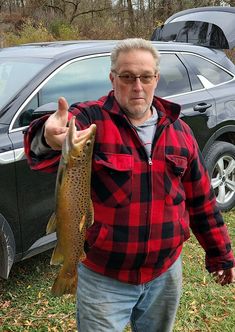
56, 125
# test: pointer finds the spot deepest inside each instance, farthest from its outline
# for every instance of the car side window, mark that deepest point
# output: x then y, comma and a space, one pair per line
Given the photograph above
174, 77
81, 80
213, 73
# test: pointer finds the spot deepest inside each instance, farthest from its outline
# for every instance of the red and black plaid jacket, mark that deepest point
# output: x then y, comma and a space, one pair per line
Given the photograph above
143, 208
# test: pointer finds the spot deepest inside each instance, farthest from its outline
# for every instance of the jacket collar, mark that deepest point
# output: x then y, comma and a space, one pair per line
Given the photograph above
168, 111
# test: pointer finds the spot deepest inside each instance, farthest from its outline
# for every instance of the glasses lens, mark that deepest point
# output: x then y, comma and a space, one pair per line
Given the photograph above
146, 79
129, 79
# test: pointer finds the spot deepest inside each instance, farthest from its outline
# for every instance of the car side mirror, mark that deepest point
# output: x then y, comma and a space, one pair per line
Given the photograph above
48, 108
28, 115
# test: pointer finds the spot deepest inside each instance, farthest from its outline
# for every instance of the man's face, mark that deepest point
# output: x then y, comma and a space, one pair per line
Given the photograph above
135, 97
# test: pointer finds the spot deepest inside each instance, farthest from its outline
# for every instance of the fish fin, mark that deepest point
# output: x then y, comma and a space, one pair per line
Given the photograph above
90, 215
83, 256
51, 226
82, 223
65, 282
57, 257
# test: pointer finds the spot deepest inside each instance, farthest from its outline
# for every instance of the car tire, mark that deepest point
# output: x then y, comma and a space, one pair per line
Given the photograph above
220, 162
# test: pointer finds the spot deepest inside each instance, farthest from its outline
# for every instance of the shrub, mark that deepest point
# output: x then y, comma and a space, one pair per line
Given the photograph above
63, 31
30, 32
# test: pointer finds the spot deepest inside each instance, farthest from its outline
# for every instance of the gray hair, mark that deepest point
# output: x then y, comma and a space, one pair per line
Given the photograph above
127, 45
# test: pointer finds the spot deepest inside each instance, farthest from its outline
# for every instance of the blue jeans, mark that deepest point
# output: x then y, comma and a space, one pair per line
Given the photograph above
107, 305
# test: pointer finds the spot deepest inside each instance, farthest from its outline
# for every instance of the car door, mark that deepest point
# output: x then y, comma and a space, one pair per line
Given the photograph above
179, 84
219, 83
10, 237
35, 197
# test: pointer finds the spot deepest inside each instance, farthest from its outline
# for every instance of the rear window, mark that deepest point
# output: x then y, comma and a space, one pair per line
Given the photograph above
213, 73
196, 32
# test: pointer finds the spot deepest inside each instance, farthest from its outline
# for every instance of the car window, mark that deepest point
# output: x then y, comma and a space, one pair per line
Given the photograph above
15, 74
190, 31
174, 77
82, 80
213, 73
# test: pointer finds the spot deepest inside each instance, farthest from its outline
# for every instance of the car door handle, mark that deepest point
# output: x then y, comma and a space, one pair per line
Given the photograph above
202, 107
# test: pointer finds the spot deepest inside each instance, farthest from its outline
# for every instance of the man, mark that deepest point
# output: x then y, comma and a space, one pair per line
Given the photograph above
149, 183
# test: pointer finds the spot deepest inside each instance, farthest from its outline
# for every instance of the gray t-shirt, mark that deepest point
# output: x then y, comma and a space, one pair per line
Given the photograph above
147, 130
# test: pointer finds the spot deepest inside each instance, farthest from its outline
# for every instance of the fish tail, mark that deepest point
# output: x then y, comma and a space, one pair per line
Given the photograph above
65, 283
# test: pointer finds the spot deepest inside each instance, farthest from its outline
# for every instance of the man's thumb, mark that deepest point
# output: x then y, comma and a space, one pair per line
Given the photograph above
62, 106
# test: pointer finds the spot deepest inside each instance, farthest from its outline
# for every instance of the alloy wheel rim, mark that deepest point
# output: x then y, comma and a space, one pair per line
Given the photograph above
223, 179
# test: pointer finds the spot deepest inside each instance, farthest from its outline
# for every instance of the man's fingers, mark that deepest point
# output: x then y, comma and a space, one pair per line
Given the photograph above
55, 140
58, 130
60, 117
225, 277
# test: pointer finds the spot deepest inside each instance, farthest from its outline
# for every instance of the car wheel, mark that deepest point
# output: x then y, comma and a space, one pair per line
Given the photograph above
220, 161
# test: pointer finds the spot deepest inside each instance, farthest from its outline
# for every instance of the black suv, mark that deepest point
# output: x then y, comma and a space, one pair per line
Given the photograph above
33, 76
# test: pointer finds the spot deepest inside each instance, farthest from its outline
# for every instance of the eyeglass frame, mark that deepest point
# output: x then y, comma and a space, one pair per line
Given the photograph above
134, 77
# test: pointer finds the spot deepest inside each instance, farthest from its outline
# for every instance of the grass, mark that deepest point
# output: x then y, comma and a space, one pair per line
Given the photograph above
205, 306
27, 305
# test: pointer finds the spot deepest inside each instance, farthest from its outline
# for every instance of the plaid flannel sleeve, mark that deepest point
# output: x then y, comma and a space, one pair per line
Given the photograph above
206, 220
39, 156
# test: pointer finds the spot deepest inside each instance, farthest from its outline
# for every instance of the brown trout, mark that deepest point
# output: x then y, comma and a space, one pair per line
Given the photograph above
74, 209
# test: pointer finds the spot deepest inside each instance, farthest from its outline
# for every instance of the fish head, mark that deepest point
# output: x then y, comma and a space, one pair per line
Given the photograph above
78, 145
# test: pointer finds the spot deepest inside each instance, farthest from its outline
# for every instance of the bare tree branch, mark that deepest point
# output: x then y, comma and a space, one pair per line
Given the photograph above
92, 11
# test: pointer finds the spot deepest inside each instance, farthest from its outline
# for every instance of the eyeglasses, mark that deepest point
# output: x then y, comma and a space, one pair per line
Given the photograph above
129, 78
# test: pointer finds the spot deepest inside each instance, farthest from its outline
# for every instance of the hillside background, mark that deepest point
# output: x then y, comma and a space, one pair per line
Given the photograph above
24, 21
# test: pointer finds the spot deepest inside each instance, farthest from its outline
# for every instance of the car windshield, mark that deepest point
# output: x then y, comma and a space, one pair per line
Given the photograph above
15, 74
